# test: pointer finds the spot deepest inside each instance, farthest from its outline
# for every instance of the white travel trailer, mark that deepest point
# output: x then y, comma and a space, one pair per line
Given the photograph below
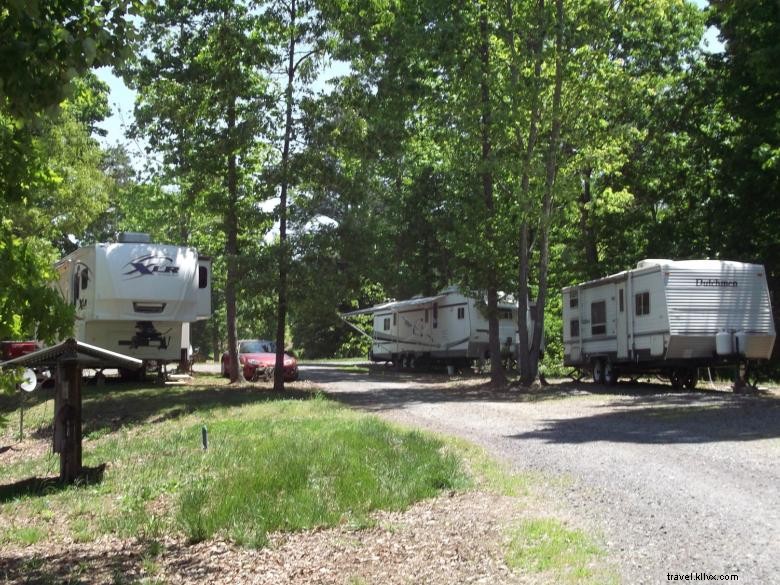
134, 297
670, 318
448, 328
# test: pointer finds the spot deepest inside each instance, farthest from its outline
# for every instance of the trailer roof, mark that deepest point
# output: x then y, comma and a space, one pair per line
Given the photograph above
652, 264
393, 305
88, 356
396, 305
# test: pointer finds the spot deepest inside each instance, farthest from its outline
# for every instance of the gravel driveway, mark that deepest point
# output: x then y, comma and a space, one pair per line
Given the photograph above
674, 483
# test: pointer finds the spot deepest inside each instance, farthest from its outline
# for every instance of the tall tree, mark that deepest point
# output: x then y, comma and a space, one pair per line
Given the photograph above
203, 102
301, 37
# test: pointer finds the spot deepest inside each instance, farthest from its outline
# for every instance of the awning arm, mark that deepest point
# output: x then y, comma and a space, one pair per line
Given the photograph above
355, 327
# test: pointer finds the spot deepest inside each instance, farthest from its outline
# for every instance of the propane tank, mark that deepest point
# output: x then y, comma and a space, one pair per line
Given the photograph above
723, 343
740, 342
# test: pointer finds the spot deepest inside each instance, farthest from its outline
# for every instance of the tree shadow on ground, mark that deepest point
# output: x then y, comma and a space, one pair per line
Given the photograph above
108, 411
44, 486
392, 390
661, 420
127, 561
115, 405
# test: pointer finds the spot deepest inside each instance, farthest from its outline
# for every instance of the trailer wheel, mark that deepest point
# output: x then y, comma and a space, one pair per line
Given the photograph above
676, 377
598, 371
610, 374
690, 378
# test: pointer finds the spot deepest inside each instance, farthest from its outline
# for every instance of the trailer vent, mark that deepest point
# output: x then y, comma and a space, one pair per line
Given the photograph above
133, 238
148, 308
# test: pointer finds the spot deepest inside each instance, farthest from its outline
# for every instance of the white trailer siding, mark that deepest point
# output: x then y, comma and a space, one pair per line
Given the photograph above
142, 279
133, 298
448, 326
668, 311
707, 297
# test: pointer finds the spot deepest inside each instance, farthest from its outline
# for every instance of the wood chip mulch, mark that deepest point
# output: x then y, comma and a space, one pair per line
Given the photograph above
455, 538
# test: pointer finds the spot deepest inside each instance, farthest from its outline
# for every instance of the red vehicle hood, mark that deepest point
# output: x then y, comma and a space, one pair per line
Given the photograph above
267, 359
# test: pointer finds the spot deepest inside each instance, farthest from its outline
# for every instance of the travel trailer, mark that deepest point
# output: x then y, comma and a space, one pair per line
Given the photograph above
670, 318
449, 328
136, 298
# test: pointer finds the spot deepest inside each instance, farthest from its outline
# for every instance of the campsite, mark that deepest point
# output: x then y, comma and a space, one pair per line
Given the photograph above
304, 291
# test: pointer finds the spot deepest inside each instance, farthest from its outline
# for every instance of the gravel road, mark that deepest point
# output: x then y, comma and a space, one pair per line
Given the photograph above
673, 483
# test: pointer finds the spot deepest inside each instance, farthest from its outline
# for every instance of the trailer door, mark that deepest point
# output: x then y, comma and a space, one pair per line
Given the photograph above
621, 324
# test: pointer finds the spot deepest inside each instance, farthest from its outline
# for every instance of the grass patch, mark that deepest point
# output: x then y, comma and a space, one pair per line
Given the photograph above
325, 361
490, 474
547, 546
315, 472
353, 369
24, 535
274, 463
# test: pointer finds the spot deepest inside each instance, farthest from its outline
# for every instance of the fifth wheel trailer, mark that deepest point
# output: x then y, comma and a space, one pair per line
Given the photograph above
670, 318
449, 328
135, 297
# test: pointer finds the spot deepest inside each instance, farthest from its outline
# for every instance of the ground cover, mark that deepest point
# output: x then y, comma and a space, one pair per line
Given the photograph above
280, 472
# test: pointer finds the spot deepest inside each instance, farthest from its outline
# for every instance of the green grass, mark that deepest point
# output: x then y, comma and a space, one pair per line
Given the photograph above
546, 546
24, 535
489, 474
273, 463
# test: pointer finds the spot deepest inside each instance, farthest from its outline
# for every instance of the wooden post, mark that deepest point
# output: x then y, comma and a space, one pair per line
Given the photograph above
67, 416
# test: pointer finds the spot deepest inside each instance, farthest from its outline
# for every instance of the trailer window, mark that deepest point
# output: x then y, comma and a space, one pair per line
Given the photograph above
84, 279
598, 318
642, 303
461, 312
395, 315
203, 277
386, 325
620, 300
76, 288
574, 299
574, 328
435, 315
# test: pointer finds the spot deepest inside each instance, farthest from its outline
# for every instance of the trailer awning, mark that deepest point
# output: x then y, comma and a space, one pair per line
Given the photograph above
87, 356
395, 305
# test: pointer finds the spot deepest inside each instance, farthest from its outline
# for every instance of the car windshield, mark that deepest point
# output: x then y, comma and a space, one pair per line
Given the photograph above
257, 346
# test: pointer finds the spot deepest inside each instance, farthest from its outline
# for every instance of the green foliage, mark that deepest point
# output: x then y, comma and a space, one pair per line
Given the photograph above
51, 182
46, 45
29, 306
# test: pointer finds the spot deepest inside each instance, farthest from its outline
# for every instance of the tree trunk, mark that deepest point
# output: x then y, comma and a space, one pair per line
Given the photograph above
281, 319
497, 375
231, 251
549, 187
586, 229
528, 369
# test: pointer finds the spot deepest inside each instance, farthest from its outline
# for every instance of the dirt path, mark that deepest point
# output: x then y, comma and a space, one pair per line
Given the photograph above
674, 483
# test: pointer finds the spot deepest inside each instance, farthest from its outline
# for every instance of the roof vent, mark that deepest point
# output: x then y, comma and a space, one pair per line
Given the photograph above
653, 262
133, 238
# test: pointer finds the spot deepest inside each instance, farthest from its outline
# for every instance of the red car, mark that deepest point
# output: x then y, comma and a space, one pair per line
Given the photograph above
258, 357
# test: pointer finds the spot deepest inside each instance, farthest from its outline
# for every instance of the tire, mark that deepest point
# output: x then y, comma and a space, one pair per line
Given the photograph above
129, 375
691, 378
676, 377
610, 374
598, 371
